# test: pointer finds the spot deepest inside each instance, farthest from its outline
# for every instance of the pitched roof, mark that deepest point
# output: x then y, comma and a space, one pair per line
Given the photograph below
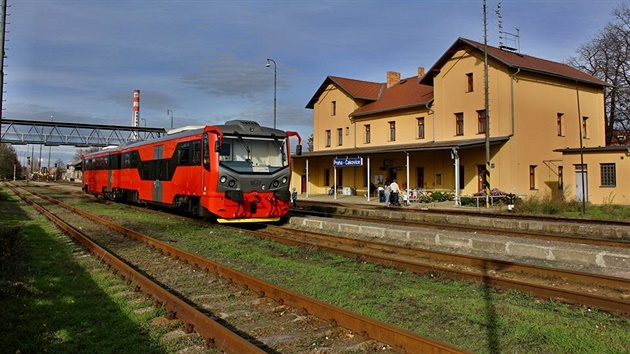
417, 92
515, 61
357, 89
407, 93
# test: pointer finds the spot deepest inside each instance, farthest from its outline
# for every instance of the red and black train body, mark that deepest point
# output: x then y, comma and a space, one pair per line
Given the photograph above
236, 172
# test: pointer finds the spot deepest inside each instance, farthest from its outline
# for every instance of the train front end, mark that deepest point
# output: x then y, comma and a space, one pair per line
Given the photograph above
253, 173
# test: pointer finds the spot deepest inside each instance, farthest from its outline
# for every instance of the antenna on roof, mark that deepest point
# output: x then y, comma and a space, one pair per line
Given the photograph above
512, 39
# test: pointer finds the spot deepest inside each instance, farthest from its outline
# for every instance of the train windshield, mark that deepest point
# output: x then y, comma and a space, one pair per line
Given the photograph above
247, 154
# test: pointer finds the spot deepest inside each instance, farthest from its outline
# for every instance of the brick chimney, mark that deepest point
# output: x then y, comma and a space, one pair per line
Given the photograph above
420, 72
392, 78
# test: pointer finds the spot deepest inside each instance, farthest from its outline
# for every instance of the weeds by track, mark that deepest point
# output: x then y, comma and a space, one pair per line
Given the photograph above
154, 264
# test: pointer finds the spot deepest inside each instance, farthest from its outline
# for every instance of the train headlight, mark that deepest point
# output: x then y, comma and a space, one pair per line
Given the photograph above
223, 179
284, 180
232, 183
275, 184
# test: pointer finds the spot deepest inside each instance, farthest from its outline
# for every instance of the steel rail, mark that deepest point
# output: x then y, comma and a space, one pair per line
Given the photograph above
356, 248
221, 336
479, 212
398, 338
469, 228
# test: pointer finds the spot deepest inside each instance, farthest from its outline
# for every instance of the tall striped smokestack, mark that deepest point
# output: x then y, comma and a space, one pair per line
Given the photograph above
135, 120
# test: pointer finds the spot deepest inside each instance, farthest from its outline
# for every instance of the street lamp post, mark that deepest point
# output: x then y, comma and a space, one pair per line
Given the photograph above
144, 121
52, 119
168, 111
275, 75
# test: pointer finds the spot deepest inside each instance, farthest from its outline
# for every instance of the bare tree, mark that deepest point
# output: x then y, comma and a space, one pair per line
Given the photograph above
309, 143
81, 152
607, 57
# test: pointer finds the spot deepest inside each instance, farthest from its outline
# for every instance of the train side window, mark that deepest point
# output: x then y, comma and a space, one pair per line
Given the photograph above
183, 154
126, 160
196, 152
144, 172
135, 159
226, 151
114, 162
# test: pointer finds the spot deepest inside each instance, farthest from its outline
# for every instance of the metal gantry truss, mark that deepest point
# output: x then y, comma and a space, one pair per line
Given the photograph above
20, 132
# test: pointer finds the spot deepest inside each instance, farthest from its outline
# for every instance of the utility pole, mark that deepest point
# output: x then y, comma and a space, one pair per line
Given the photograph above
487, 105
2, 32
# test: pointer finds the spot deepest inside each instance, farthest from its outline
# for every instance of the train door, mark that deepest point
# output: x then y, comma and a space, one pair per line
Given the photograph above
158, 154
110, 172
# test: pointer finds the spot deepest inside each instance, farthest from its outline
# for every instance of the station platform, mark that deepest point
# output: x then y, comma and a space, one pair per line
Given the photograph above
356, 199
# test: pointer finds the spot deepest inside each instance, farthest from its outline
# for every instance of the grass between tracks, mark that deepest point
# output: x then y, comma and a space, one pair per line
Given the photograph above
471, 317
55, 302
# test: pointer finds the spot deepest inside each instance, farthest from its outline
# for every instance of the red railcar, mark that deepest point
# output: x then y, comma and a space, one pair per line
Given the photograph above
236, 172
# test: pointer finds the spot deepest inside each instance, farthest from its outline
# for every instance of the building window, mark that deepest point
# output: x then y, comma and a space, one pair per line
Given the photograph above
532, 177
560, 177
347, 130
459, 123
327, 138
421, 128
392, 131
559, 123
438, 179
584, 125
481, 121
339, 136
327, 177
368, 136
333, 108
609, 174
470, 81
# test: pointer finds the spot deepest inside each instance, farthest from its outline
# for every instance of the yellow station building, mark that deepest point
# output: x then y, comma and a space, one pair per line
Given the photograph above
428, 131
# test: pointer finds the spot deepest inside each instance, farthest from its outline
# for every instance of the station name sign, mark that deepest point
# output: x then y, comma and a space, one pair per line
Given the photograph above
348, 162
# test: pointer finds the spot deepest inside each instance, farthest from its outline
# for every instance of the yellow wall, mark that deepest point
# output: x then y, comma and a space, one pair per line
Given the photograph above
598, 194
324, 120
523, 106
532, 102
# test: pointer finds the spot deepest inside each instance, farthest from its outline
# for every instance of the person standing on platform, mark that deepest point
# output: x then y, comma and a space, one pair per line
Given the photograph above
294, 197
395, 191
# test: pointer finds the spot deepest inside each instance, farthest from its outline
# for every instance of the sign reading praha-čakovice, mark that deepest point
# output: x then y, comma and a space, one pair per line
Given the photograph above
348, 162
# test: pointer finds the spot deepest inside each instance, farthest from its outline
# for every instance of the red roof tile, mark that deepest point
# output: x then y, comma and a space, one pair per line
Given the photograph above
516, 60
406, 93
358, 89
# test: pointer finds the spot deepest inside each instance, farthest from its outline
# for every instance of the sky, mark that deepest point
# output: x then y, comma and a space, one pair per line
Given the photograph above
204, 60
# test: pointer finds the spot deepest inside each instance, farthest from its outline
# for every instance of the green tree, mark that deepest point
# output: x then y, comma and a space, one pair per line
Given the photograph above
9, 160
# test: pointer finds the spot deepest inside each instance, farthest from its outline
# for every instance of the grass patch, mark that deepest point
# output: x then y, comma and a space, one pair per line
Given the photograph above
52, 303
471, 317
558, 205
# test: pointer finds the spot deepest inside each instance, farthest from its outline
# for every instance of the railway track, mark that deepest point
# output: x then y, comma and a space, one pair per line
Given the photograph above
570, 286
224, 315
612, 233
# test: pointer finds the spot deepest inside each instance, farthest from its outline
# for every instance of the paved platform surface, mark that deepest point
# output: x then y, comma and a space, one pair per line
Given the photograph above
595, 259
